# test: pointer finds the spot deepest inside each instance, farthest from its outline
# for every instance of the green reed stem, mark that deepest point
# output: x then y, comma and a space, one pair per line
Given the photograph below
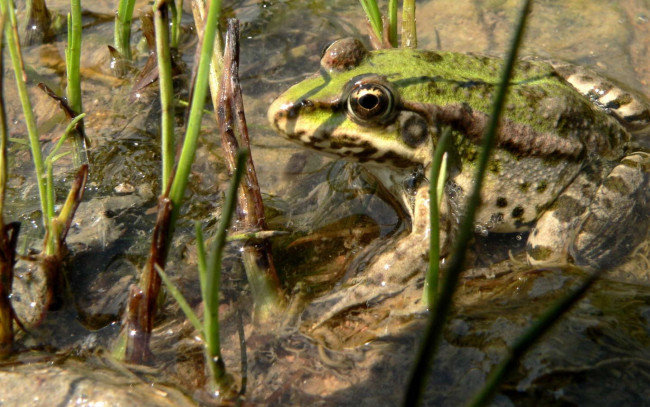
168, 142
436, 184
202, 258
4, 133
409, 32
11, 32
392, 23
196, 111
73, 66
6, 262
68, 130
374, 16
213, 269
177, 16
73, 57
210, 279
182, 302
122, 40
50, 244
437, 318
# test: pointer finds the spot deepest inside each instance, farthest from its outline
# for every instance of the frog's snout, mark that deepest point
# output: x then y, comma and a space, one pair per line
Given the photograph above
283, 115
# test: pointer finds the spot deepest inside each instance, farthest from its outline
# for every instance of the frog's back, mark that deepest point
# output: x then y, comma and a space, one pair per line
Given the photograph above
539, 98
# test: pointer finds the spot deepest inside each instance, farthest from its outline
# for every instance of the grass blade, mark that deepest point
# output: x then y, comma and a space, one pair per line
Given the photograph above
196, 111
73, 88
392, 23
438, 175
374, 16
161, 21
178, 296
213, 276
73, 57
11, 33
409, 32
123, 19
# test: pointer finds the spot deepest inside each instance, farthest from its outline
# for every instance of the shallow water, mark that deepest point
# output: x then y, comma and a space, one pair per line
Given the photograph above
597, 355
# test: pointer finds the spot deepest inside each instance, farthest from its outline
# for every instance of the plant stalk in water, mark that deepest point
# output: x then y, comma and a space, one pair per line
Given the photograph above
8, 233
213, 277
436, 186
73, 88
142, 305
409, 34
196, 110
123, 19
256, 253
13, 43
177, 16
392, 23
210, 281
161, 22
374, 16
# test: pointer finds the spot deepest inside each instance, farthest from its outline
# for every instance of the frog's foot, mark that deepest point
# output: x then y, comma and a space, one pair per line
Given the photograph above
599, 234
385, 277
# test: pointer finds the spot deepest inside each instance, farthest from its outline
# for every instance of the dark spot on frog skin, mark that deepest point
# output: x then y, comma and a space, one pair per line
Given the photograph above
429, 56
518, 212
524, 186
567, 208
366, 154
395, 159
539, 252
297, 134
541, 187
414, 129
618, 185
494, 167
502, 202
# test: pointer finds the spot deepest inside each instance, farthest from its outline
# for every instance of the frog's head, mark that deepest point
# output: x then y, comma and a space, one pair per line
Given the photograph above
354, 108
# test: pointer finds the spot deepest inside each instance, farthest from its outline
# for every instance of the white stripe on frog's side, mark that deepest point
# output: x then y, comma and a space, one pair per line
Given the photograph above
630, 109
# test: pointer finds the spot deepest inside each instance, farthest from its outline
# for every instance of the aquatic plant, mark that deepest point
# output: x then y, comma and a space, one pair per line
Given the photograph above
133, 344
73, 87
122, 36
8, 232
56, 226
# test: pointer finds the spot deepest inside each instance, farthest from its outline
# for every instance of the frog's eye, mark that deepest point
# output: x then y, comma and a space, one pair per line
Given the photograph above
371, 103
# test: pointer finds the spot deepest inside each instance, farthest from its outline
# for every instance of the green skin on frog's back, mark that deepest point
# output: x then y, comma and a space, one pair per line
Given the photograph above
562, 166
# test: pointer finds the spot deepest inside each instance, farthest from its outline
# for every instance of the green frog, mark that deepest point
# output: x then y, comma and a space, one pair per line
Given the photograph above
565, 167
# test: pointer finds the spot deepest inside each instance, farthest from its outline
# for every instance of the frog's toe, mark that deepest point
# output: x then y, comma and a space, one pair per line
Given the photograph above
548, 242
619, 216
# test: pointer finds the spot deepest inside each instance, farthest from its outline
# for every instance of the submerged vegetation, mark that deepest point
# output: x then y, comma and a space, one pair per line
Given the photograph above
274, 328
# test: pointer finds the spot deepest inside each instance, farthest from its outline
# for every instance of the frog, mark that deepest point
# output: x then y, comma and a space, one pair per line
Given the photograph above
566, 167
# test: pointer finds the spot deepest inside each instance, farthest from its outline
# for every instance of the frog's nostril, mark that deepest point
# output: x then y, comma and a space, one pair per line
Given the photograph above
293, 111
301, 106
306, 104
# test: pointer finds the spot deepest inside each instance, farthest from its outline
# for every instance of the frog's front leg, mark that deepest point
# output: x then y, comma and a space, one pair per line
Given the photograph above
389, 272
596, 229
